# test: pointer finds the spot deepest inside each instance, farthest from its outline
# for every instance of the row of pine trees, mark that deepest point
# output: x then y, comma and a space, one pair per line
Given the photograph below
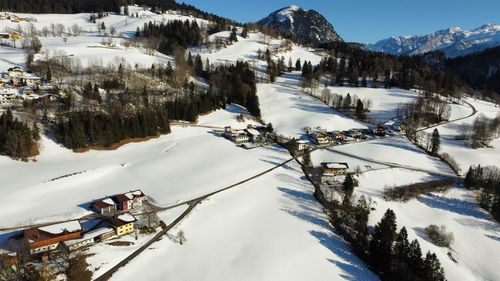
17, 139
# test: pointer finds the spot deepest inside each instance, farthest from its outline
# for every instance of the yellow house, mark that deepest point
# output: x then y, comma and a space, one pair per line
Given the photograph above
122, 224
14, 18
11, 35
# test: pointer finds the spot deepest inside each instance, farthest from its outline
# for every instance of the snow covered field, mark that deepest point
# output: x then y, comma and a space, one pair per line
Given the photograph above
245, 49
185, 164
476, 244
299, 52
267, 229
270, 228
384, 101
10, 57
395, 151
463, 153
87, 47
290, 110
228, 117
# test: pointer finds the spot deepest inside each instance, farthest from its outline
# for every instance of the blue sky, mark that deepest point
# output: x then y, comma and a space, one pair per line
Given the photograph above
370, 20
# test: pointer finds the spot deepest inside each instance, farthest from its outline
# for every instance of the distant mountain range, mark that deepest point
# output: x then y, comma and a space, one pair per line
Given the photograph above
452, 41
307, 26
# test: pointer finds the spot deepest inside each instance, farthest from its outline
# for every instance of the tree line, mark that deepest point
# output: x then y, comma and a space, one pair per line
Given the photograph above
171, 34
480, 70
60, 6
82, 129
487, 181
116, 121
17, 139
354, 66
86, 128
481, 132
386, 251
238, 84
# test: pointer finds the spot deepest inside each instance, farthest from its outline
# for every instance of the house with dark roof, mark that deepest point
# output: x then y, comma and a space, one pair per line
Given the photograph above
122, 224
104, 206
130, 200
332, 171
47, 238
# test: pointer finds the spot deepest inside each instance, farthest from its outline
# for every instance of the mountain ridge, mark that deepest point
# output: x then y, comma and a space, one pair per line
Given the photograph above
452, 41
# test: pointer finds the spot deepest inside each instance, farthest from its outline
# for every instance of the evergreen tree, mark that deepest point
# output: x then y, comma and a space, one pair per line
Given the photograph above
347, 101
415, 260
306, 158
380, 249
190, 59
469, 178
435, 142
348, 188
432, 268
298, 65
232, 36
49, 74
495, 209
360, 110
244, 31
361, 216
401, 256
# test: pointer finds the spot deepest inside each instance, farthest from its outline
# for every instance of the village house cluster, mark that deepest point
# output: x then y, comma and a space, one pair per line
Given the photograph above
320, 136
116, 220
256, 135
13, 18
18, 85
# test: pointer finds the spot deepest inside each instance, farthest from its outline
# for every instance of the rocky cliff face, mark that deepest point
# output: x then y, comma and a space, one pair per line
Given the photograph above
307, 26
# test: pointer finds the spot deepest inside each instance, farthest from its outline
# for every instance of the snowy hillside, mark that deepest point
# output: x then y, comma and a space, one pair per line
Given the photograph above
250, 209
264, 230
87, 47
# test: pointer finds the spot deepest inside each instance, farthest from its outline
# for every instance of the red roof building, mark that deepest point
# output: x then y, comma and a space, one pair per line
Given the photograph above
47, 238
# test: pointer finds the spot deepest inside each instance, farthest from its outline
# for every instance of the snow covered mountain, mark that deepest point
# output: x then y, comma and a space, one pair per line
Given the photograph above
307, 26
452, 41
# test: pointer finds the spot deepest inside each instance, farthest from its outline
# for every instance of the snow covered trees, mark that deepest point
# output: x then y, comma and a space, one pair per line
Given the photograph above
487, 180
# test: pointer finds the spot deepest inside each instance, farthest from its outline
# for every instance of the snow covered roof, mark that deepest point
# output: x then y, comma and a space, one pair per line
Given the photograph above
253, 132
133, 194
70, 226
103, 203
89, 235
127, 217
9, 91
335, 165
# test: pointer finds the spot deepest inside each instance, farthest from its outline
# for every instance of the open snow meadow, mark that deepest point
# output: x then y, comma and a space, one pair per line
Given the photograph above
230, 194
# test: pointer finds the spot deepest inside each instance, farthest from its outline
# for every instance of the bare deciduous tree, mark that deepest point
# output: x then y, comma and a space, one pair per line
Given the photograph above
75, 28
